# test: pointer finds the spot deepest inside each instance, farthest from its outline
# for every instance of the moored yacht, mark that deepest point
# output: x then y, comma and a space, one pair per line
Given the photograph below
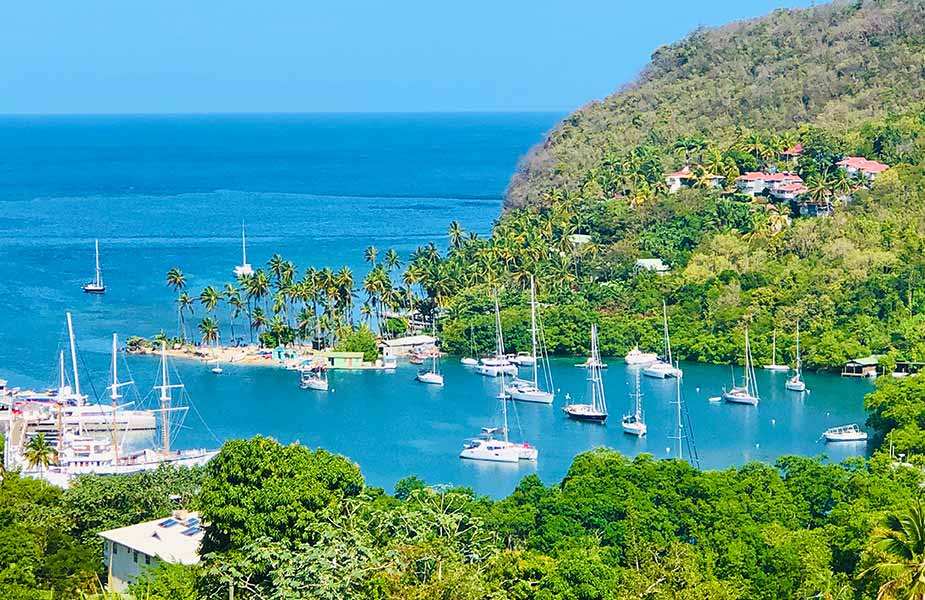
796, 383
774, 366
531, 390
662, 369
845, 433
314, 378
595, 409
634, 423
637, 357
96, 286
747, 393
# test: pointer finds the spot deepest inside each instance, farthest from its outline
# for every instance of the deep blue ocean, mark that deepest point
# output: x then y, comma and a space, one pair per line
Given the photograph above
170, 191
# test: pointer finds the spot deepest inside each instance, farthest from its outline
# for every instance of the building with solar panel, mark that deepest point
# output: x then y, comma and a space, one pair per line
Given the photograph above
130, 551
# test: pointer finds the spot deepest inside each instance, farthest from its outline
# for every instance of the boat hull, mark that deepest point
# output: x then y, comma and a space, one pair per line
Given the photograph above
777, 368
740, 398
529, 395
584, 412
796, 386
430, 378
92, 289
634, 428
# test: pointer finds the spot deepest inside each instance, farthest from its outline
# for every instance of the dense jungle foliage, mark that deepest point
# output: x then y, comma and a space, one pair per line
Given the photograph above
286, 522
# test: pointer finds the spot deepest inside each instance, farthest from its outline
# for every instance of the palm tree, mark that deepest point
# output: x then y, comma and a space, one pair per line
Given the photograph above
258, 320
456, 236
370, 255
184, 304
392, 260
754, 144
233, 297
819, 187
208, 327
901, 542
39, 452
176, 280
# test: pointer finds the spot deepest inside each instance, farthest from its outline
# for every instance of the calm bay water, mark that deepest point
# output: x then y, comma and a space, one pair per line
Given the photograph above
172, 191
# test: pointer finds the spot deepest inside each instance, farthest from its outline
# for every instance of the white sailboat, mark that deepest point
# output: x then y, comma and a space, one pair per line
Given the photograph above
661, 369
497, 365
774, 366
634, 423
748, 392
595, 410
216, 367
244, 269
96, 286
487, 448
530, 391
432, 376
796, 383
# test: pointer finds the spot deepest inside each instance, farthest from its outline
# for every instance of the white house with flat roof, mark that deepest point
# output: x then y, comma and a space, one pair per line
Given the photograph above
129, 551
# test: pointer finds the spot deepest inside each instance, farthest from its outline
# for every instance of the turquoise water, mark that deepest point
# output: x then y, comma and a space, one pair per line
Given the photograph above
172, 191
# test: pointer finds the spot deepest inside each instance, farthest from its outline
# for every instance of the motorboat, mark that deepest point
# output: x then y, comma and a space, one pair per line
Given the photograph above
637, 357
845, 433
315, 378
523, 359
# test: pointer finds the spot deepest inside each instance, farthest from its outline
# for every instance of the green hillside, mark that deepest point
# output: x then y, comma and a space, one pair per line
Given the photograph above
835, 65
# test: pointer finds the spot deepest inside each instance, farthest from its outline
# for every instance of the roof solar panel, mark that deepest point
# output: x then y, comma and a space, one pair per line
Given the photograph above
191, 531
168, 522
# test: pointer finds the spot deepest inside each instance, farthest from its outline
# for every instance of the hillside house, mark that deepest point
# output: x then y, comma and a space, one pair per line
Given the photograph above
686, 178
755, 183
655, 265
868, 168
129, 551
792, 154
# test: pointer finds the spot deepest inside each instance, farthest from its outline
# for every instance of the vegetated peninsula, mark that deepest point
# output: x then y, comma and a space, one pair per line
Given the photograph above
764, 173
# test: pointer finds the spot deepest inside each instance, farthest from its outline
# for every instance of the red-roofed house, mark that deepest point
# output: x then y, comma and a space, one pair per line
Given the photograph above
789, 191
686, 177
755, 182
792, 154
857, 164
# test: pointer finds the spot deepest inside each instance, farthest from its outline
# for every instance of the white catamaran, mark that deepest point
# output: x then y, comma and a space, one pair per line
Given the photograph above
96, 286
498, 365
774, 366
530, 390
634, 423
595, 410
748, 392
487, 448
244, 269
796, 383
661, 369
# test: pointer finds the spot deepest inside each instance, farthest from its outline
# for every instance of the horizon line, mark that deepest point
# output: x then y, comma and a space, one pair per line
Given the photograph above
281, 113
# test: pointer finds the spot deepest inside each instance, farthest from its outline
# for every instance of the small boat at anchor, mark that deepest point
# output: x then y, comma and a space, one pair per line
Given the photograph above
662, 369
796, 383
96, 286
315, 378
595, 410
845, 433
634, 423
531, 390
637, 357
774, 366
747, 393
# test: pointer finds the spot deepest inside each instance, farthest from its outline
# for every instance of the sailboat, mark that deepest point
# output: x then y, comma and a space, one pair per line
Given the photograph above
530, 391
748, 392
80, 456
96, 286
216, 367
498, 365
774, 366
796, 383
637, 357
634, 423
660, 369
468, 361
244, 269
596, 410
432, 376
487, 448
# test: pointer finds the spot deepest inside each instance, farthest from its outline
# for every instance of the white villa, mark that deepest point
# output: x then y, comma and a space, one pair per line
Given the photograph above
655, 265
857, 164
758, 182
129, 551
686, 178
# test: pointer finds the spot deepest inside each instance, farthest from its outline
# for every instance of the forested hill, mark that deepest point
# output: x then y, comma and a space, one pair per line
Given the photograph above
834, 65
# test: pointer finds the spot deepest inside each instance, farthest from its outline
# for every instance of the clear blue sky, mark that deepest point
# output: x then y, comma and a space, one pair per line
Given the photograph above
126, 56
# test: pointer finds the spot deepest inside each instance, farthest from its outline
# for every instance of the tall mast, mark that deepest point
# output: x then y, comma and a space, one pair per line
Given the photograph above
99, 274
680, 424
774, 348
70, 334
667, 339
243, 245
638, 398
503, 398
536, 377
165, 402
500, 336
798, 348
114, 397
61, 377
